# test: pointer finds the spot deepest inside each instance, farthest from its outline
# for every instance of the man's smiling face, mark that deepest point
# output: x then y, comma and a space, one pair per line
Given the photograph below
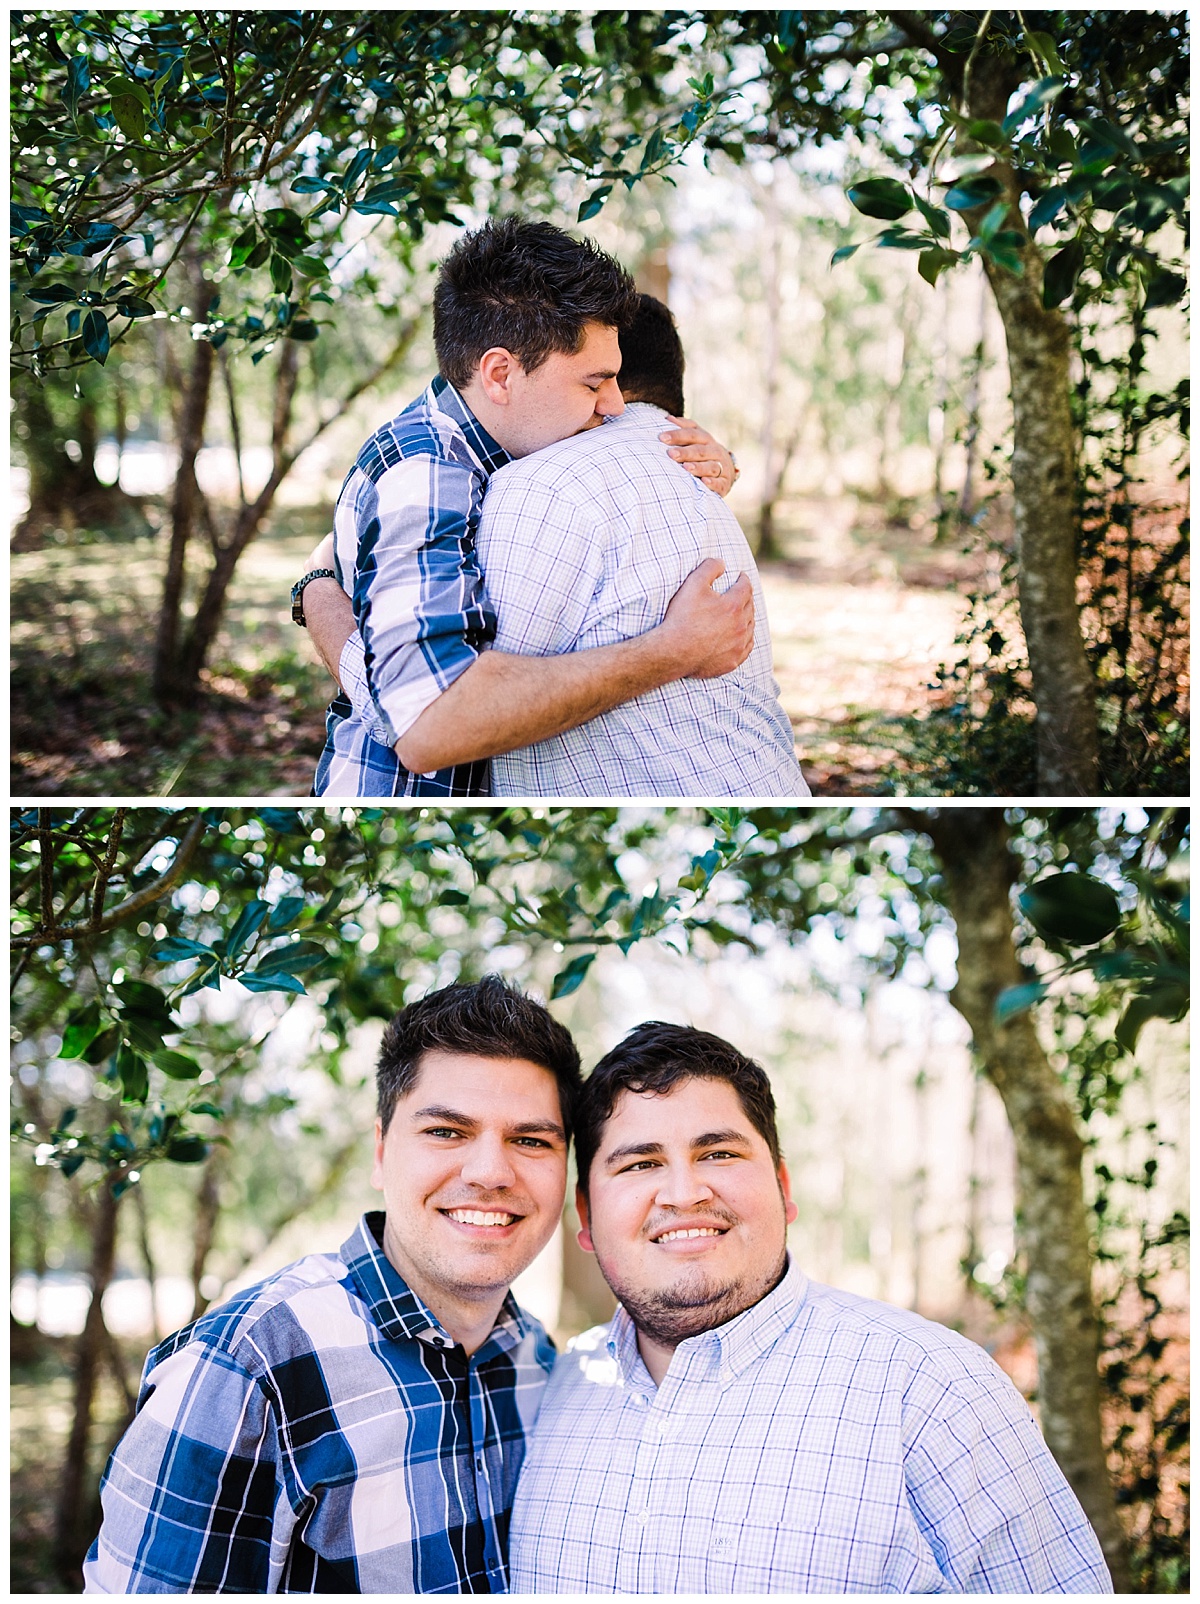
687, 1212
473, 1169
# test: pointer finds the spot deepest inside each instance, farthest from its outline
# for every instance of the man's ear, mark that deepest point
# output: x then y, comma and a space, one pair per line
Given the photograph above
377, 1167
790, 1211
496, 371
584, 1235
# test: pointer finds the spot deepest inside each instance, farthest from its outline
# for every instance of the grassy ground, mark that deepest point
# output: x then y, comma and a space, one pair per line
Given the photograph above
861, 613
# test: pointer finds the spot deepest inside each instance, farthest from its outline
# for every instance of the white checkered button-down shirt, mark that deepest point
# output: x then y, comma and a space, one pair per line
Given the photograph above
818, 1443
583, 544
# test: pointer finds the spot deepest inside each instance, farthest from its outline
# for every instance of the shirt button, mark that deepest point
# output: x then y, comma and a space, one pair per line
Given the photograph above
479, 1464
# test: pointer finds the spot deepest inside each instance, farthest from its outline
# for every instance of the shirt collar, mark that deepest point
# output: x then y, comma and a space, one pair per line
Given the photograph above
734, 1346
443, 397
397, 1311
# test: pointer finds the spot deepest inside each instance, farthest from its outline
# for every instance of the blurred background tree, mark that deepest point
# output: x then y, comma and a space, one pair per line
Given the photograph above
197, 995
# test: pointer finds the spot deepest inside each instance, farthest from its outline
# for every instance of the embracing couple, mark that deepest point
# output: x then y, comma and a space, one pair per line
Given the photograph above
386, 1419
523, 562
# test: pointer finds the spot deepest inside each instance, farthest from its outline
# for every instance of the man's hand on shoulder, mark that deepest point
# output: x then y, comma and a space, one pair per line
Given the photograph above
711, 633
703, 457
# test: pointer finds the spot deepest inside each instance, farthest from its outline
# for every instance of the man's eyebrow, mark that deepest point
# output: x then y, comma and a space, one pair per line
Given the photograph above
452, 1116
633, 1150
721, 1139
601, 373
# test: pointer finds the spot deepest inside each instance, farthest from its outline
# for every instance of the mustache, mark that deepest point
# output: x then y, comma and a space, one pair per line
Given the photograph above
669, 1220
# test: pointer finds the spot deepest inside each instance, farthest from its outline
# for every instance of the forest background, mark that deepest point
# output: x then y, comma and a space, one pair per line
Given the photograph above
928, 271
973, 1019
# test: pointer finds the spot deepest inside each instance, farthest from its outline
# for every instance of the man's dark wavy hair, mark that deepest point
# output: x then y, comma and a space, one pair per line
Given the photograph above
654, 1058
652, 357
488, 1018
528, 287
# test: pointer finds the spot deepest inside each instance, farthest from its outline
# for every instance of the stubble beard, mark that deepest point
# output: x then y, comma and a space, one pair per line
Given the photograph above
696, 1303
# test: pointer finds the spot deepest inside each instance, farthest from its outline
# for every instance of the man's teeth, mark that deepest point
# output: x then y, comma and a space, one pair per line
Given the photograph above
479, 1217
677, 1236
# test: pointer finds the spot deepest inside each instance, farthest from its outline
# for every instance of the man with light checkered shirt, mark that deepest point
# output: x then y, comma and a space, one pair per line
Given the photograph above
738, 1428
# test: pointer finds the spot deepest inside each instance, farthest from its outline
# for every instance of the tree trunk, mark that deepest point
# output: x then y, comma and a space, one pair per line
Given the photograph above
1043, 481
171, 686
1052, 1220
73, 1525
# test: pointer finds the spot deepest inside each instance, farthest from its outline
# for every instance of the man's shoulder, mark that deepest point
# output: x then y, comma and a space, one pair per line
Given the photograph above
298, 1308
623, 449
912, 1341
423, 429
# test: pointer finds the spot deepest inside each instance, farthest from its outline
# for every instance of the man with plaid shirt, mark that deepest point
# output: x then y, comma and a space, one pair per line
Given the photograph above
356, 1423
525, 327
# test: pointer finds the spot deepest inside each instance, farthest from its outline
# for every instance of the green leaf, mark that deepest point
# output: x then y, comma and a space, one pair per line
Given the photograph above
129, 116
83, 1026
253, 981
132, 306
1071, 907
984, 132
312, 186
281, 274
898, 239
971, 192
94, 333
72, 1164
1043, 46
1165, 289
285, 912
177, 1065
884, 198
933, 263
311, 266
133, 1073
176, 947
208, 1108
187, 1150
302, 328
594, 203
1040, 95
248, 921
243, 245
842, 254
104, 1044
51, 294
297, 956
139, 997
935, 217
1014, 1000
1047, 207
571, 978
1061, 272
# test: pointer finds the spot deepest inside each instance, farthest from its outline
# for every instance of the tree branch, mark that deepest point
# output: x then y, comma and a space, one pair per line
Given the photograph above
105, 868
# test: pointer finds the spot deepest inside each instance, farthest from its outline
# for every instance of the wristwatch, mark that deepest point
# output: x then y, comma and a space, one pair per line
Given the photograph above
298, 593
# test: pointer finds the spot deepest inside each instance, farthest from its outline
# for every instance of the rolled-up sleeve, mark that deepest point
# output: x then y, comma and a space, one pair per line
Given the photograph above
404, 527
192, 1497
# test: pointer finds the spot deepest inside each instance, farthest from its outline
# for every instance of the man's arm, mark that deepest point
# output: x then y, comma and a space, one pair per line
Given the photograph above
504, 701
190, 1493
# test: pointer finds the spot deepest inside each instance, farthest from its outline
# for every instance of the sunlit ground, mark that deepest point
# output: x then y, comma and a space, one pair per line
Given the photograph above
861, 614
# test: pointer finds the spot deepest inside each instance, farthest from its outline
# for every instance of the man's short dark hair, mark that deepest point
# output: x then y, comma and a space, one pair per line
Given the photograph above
654, 1058
488, 1018
652, 357
528, 287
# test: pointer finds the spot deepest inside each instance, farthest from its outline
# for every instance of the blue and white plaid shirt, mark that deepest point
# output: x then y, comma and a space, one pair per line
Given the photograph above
818, 1443
404, 541
322, 1433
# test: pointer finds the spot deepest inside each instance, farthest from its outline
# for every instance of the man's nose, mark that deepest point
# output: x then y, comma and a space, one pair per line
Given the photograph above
487, 1163
610, 403
681, 1186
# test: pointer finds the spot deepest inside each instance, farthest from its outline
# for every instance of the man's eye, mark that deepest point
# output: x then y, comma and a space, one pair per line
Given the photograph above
531, 1141
641, 1164
721, 1153
442, 1130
